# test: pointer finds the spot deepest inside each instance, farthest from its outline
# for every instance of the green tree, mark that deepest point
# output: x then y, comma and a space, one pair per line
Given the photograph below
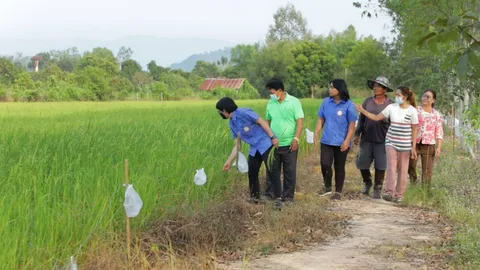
232, 72
141, 79
66, 59
366, 60
206, 70
289, 25
195, 81
242, 58
52, 70
455, 23
313, 66
96, 80
20, 61
101, 58
156, 71
23, 81
271, 60
450, 29
8, 71
45, 61
123, 55
121, 87
339, 44
129, 68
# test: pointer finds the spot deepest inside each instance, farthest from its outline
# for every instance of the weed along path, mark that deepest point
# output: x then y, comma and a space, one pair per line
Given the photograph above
376, 235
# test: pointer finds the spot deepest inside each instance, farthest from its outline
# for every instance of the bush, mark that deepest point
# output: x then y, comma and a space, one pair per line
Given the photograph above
3, 93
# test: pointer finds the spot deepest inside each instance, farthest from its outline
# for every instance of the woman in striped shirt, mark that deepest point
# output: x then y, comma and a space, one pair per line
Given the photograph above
399, 144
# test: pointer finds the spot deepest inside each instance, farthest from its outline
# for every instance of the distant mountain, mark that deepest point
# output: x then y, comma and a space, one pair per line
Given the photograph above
165, 51
189, 63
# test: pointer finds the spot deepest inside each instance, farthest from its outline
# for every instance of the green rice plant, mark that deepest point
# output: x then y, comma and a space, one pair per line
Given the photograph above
62, 171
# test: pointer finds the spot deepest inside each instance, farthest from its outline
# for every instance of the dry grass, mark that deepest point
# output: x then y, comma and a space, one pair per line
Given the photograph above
454, 194
231, 229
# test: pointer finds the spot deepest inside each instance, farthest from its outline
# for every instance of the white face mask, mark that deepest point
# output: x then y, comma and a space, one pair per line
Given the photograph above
399, 100
273, 97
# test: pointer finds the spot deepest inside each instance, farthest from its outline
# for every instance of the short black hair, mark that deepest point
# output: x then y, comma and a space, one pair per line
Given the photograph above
275, 83
226, 104
341, 86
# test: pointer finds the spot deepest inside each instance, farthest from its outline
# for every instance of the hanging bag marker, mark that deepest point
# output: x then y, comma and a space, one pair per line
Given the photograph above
133, 204
238, 149
127, 219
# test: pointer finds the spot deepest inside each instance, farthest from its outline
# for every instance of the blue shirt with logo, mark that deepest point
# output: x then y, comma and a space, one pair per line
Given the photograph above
244, 120
337, 118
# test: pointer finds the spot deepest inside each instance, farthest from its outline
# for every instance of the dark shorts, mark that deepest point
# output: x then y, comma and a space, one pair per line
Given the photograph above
370, 151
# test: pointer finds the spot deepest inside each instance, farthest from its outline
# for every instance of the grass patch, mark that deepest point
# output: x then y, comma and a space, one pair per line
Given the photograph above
227, 230
455, 194
62, 171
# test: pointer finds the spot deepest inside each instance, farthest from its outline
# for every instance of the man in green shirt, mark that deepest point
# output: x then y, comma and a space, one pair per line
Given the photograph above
285, 116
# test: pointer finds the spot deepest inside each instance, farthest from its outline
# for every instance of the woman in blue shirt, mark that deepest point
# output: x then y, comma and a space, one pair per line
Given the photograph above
336, 116
256, 132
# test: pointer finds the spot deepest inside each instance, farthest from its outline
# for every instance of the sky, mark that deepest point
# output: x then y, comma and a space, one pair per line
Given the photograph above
236, 21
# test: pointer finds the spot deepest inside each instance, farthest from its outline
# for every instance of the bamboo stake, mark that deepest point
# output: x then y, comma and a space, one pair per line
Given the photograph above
238, 149
452, 124
453, 128
127, 219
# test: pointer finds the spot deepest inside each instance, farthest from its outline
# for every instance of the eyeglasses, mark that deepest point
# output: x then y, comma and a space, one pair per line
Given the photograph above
427, 97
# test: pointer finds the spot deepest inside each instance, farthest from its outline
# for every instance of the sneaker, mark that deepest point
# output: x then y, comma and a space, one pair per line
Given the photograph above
325, 192
387, 197
336, 196
398, 200
266, 197
278, 204
254, 200
377, 192
366, 189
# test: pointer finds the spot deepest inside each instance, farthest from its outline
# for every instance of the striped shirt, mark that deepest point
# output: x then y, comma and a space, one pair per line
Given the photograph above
399, 134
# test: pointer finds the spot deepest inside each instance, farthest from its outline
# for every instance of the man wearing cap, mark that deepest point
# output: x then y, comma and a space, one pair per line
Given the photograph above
371, 135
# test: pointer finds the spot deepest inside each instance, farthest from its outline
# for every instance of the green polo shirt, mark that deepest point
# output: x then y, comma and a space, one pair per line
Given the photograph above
283, 118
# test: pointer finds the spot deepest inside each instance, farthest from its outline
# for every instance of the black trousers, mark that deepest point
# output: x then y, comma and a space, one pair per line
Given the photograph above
254, 164
331, 155
288, 160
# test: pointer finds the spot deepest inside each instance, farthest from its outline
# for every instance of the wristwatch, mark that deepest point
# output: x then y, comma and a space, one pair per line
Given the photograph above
273, 137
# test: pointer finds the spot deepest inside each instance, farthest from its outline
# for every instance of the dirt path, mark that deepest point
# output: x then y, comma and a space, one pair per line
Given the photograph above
378, 235
375, 228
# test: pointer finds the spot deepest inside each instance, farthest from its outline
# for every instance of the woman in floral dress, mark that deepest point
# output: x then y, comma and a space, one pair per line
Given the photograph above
429, 138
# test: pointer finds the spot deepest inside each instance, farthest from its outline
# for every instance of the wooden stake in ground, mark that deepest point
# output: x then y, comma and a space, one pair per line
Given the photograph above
127, 219
238, 149
453, 127
452, 124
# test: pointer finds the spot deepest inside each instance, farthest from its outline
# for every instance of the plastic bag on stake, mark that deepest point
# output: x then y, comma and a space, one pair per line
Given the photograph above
309, 136
133, 203
241, 163
200, 177
72, 265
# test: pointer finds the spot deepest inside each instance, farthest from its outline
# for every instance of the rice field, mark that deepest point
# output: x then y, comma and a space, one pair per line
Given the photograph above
62, 170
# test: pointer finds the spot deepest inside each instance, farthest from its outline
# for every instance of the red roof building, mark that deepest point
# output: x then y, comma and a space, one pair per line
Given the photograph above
212, 83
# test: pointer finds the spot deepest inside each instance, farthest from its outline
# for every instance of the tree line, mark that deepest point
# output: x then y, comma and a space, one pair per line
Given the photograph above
429, 51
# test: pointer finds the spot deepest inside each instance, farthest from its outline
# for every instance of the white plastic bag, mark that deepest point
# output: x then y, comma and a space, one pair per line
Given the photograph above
200, 177
133, 203
242, 163
309, 136
72, 265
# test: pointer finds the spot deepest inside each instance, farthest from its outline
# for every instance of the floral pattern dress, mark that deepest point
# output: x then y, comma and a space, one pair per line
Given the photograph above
430, 126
